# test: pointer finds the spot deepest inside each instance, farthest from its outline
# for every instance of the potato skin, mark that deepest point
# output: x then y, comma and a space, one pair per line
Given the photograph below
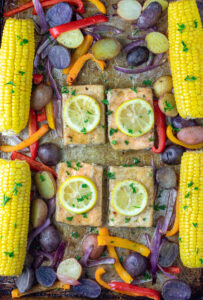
191, 135
41, 96
150, 16
163, 85
39, 212
106, 48
91, 240
167, 105
46, 184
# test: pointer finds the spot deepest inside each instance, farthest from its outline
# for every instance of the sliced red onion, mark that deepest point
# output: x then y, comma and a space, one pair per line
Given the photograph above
150, 59
58, 256
45, 52
95, 35
115, 6
105, 28
51, 207
140, 281
141, 37
169, 211
52, 81
166, 273
58, 120
67, 280
101, 261
36, 253
38, 261
41, 15
147, 240
158, 58
43, 46
18, 140
132, 45
36, 61
137, 71
36, 232
86, 256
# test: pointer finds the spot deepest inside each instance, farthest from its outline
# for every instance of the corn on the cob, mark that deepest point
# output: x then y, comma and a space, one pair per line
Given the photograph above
191, 209
186, 57
15, 185
16, 66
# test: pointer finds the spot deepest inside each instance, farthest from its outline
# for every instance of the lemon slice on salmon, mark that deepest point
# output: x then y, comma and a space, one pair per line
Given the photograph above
78, 194
135, 117
82, 113
129, 197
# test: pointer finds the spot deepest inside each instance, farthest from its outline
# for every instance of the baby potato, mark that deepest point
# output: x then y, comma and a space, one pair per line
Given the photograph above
106, 48
46, 184
157, 42
163, 3
191, 135
167, 105
71, 39
163, 85
39, 212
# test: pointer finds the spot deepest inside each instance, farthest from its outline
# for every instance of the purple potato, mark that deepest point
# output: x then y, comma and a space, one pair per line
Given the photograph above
168, 254
49, 154
150, 16
179, 122
135, 264
172, 155
87, 288
45, 276
137, 56
176, 290
59, 57
59, 14
26, 280
49, 239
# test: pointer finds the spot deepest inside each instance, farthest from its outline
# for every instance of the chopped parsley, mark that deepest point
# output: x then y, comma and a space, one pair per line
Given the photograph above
197, 251
112, 131
110, 175
12, 91
15, 225
111, 242
147, 82
185, 207
112, 220
149, 112
127, 220
180, 239
187, 195
41, 177
146, 276
78, 165
5, 200
89, 112
136, 160
194, 224
91, 229
107, 91
75, 234
22, 41
9, 254
103, 126
84, 185
84, 197
134, 89
196, 188
168, 106
159, 207
64, 90
185, 49
68, 163
10, 83
201, 261
130, 131
73, 92
86, 121
144, 219
109, 112
15, 189
83, 130
190, 78
114, 142
69, 218
151, 139
84, 215
195, 23
21, 73
190, 183
126, 142
174, 128
121, 259
181, 27
133, 188
105, 101
131, 78
136, 32
78, 257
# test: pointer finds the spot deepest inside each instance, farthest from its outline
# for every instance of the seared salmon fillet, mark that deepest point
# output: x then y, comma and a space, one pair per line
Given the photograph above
95, 137
123, 142
93, 172
143, 175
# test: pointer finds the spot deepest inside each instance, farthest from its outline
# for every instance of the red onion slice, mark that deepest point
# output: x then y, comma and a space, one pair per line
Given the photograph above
101, 261
86, 256
67, 280
105, 28
166, 273
132, 45
169, 211
52, 81
41, 15
36, 232
58, 256
58, 120
137, 71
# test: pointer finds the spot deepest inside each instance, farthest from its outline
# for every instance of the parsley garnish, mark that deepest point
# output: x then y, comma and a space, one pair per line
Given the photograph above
15, 225
134, 89
133, 188
84, 185
83, 130
126, 142
84, 215
112, 131
130, 131
89, 112
197, 251
111, 175
84, 197
22, 41
9, 254
168, 106
68, 163
21, 72
78, 257
105, 101
85, 121
195, 23
91, 229
75, 235
185, 49
10, 83
181, 27
147, 82
78, 166
111, 242
64, 90
127, 220
180, 239
103, 126
201, 261
114, 142
15, 189
136, 32
136, 160
73, 92
69, 218
190, 78
151, 139
187, 195
159, 207
5, 200
190, 183
174, 128
196, 188
194, 224
107, 91
149, 112
121, 259
185, 207
146, 276
109, 112
41, 177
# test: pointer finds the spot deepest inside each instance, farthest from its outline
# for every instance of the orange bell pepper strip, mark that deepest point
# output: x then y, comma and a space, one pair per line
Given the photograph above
99, 5
39, 288
80, 51
122, 243
80, 63
99, 272
112, 253
29, 141
175, 227
50, 114
173, 139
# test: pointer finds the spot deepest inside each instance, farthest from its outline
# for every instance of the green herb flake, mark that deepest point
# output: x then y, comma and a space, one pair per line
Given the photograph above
68, 163
146, 276
5, 200
185, 49
108, 91
83, 130
147, 82
103, 126
112, 131
196, 188
109, 112
144, 219
91, 229
21, 73
84, 215
121, 259
105, 101
86, 121
64, 90
195, 23
16, 186
41, 178
187, 195
190, 78
190, 183
174, 128
181, 27
180, 239
126, 142
131, 78
136, 32
89, 112
201, 261
197, 251
195, 225
149, 112
159, 207
151, 139
168, 106
9, 254
111, 242
84, 197
112, 220
78, 257
130, 131
114, 142
185, 207
84, 185
75, 234
73, 92
67, 173
69, 219
127, 220
136, 160
110, 175
133, 188
10, 83
134, 89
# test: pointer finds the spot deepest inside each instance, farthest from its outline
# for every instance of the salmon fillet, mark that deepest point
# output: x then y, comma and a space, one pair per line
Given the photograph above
95, 137
93, 172
123, 142
145, 176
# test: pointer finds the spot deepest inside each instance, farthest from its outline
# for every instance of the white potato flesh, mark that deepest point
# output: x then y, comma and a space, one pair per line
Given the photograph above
71, 39
129, 10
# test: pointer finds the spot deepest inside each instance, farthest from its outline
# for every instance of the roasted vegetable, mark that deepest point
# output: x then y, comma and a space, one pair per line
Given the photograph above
150, 16
166, 177
163, 85
91, 241
71, 39
41, 95
45, 276
137, 56
172, 155
135, 264
70, 268
178, 122
59, 57
176, 290
167, 254
163, 3
46, 184
49, 154
191, 135
167, 105
106, 48
26, 280
58, 14
87, 288
129, 10
157, 42
39, 211
49, 239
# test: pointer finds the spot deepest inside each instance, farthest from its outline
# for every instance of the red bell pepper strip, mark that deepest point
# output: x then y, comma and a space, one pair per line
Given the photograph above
38, 78
32, 128
172, 270
41, 116
56, 31
134, 291
161, 129
45, 3
34, 165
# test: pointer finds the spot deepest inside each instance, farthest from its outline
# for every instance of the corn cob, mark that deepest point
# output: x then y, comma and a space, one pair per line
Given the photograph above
186, 57
15, 185
191, 210
16, 66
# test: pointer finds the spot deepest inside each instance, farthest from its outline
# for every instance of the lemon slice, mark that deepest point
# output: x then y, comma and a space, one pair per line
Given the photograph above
82, 113
135, 117
78, 194
129, 198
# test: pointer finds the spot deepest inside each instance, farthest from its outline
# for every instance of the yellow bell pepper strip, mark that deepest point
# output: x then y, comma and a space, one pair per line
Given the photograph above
99, 272
29, 141
50, 114
173, 139
175, 227
80, 63
122, 243
112, 253
39, 288
99, 5
81, 50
